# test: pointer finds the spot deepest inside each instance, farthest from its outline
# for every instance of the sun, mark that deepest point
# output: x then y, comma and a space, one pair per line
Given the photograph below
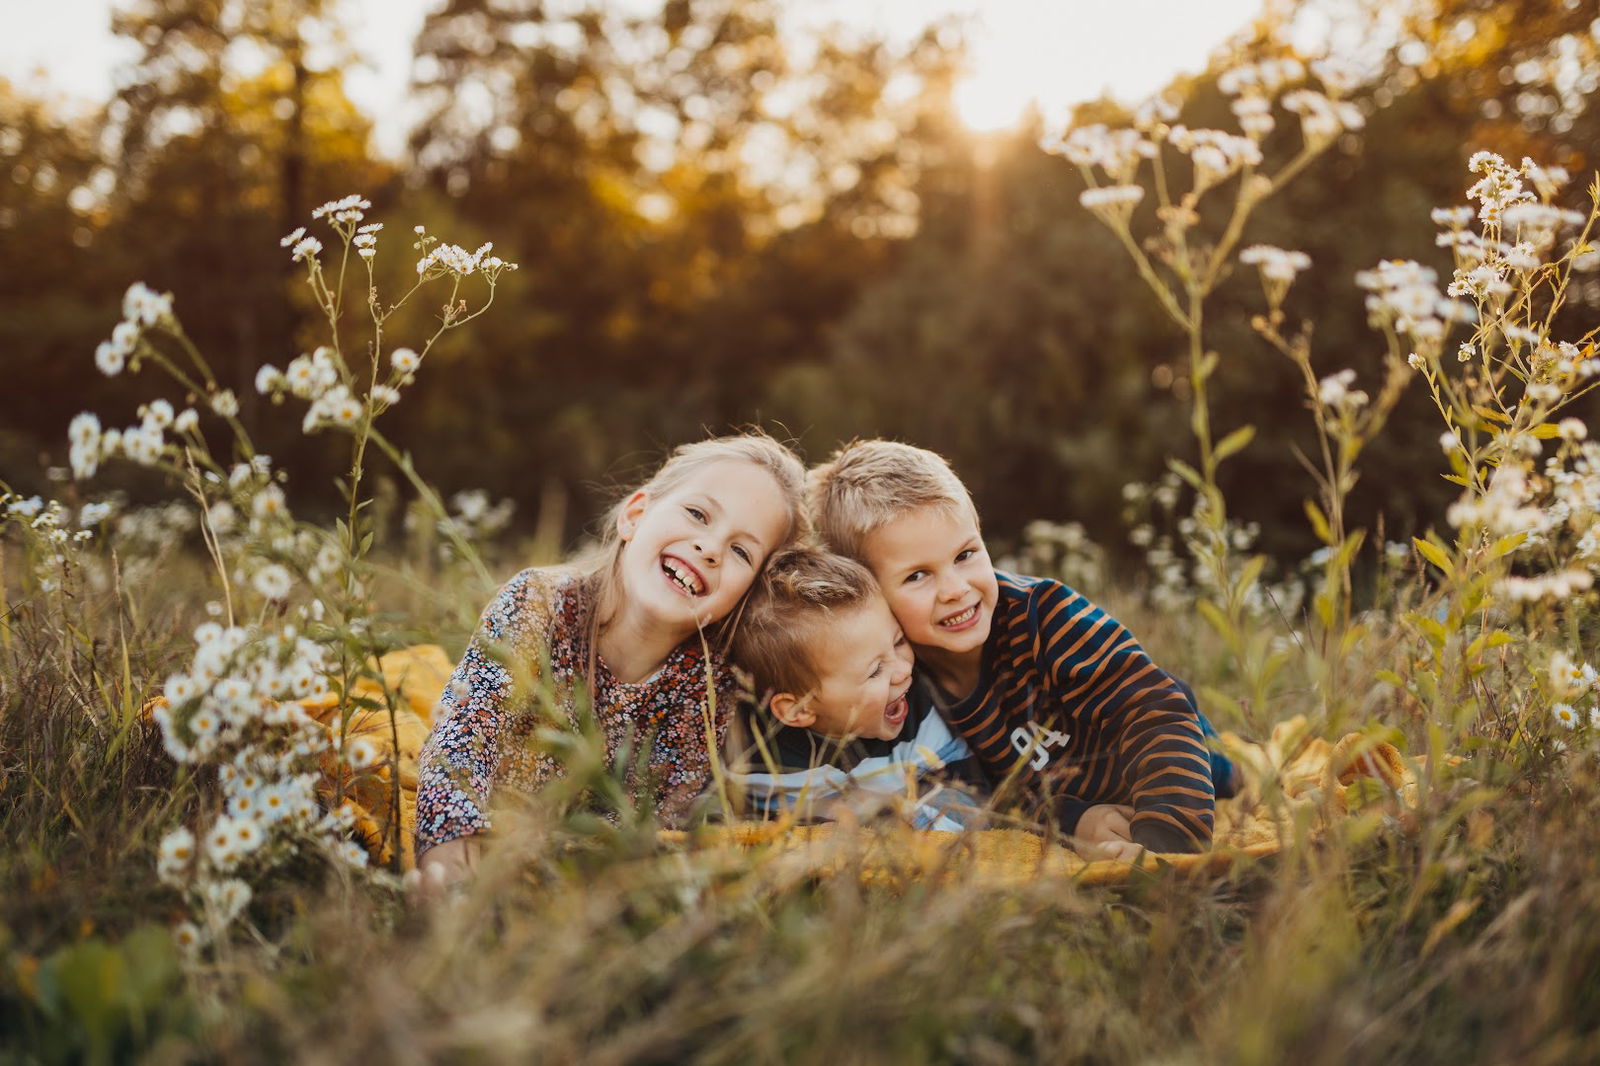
992, 101
1024, 55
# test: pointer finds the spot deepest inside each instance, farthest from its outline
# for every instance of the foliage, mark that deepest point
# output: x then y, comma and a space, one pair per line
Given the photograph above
1471, 647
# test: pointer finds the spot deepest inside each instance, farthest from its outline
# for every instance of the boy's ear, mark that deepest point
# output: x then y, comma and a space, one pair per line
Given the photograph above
791, 710
632, 510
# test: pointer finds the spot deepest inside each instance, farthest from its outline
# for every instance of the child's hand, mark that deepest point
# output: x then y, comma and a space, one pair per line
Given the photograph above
1105, 823
444, 869
1124, 850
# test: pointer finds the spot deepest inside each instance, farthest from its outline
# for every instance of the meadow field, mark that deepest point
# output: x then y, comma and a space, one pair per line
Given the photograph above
200, 857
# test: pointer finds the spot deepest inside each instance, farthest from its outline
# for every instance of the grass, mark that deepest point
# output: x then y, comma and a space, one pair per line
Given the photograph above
1469, 932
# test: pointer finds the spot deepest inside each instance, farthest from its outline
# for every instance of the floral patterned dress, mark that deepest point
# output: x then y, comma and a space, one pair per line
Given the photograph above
482, 739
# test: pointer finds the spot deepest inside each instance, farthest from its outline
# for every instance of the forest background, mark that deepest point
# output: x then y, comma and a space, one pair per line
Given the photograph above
716, 227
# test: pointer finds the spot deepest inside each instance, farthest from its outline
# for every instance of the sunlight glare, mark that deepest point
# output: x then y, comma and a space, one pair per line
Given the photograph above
990, 102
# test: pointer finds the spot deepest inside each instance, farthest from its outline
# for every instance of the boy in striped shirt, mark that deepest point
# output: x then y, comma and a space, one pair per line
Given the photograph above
840, 722
1057, 700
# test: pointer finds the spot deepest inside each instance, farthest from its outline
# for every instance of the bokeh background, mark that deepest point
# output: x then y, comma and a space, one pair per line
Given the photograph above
741, 211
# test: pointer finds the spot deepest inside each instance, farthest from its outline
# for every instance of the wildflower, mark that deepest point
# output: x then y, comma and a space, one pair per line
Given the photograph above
351, 852
273, 582
143, 444
247, 835
1339, 76
1569, 678
1275, 264
1479, 283
1572, 429
269, 502
1566, 714
1544, 393
1554, 586
1594, 717
292, 238
385, 395
227, 898
1453, 217
1117, 152
307, 247
1334, 391
225, 403
109, 359
1321, 118
177, 849
269, 379
361, 753
221, 847
300, 378
404, 360
187, 938
1111, 198
187, 421
94, 513
85, 429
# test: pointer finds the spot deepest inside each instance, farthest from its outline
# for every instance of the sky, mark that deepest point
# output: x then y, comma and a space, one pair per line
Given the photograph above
1054, 52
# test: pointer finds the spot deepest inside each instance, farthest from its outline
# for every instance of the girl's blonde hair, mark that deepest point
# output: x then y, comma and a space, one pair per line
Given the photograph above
600, 566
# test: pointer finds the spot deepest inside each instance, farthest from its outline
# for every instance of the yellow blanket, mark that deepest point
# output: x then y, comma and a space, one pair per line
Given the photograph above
1309, 780
1296, 783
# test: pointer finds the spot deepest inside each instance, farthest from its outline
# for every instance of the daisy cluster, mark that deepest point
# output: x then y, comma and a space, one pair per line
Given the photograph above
1111, 158
475, 517
1574, 686
1404, 297
1151, 510
233, 707
321, 379
452, 260
142, 308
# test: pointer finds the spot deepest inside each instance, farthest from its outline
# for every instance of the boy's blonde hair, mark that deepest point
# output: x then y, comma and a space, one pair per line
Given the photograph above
788, 609
870, 483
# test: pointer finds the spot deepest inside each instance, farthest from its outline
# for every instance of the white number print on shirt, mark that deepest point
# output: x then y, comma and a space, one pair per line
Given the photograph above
1034, 742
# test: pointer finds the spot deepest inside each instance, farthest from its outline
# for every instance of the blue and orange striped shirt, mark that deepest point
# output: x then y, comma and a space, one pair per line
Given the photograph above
1070, 710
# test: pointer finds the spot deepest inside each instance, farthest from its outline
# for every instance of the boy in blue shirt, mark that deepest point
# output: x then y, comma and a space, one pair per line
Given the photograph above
839, 720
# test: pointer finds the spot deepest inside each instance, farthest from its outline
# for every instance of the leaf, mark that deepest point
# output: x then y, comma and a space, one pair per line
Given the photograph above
1187, 473
1507, 544
1319, 522
1546, 431
1459, 912
1435, 632
1486, 641
1434, 554
1389, 677
1490, 413
1249, 574
1234, 442
1213, 614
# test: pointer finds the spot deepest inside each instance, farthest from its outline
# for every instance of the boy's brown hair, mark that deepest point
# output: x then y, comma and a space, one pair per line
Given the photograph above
869, 483
796, 592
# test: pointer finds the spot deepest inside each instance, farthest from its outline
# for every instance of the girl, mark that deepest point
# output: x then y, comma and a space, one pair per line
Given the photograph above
676, 558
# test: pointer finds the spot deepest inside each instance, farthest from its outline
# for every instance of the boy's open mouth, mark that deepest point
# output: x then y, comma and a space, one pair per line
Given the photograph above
683, 576
895, 713
960, 620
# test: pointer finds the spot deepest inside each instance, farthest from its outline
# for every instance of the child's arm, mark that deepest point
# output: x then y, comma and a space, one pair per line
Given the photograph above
455, 772
1111, 691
